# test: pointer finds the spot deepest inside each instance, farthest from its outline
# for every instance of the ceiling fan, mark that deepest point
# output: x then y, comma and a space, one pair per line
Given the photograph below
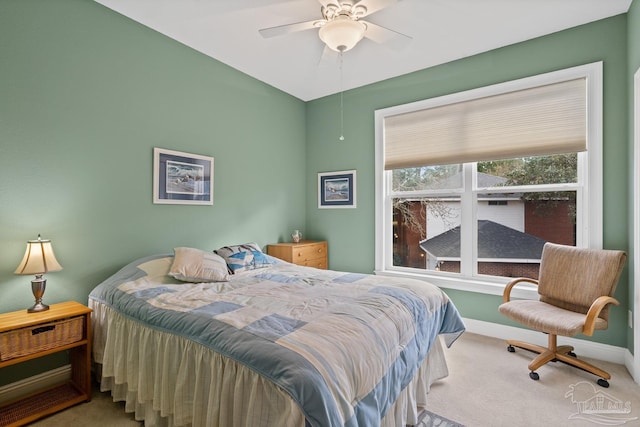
341, 26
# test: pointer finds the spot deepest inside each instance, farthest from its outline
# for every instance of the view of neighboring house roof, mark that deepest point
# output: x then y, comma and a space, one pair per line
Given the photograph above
494, 241
484, 180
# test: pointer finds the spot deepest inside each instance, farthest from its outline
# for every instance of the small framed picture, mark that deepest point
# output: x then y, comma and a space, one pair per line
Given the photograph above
182, 178
337, 189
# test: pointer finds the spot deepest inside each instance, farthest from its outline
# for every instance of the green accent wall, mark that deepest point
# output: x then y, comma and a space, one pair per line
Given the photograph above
633, 17
85, 95
351, 231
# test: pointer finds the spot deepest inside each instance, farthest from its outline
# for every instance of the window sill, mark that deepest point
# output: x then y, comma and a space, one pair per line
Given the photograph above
521, 291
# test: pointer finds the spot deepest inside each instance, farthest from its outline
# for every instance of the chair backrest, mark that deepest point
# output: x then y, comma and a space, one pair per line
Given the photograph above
572, 278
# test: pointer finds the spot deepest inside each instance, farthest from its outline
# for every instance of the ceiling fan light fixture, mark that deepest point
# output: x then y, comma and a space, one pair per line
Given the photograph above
342, 33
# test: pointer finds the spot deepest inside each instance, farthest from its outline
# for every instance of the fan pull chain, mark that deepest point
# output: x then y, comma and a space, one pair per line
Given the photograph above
341, 103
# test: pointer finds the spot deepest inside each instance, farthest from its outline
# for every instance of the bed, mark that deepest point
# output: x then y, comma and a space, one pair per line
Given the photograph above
237, 338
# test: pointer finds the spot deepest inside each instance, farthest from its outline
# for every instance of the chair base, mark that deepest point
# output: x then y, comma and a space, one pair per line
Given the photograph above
563, 353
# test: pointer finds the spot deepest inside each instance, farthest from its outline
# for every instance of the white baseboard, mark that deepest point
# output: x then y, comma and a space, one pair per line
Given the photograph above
594, 350
32, 384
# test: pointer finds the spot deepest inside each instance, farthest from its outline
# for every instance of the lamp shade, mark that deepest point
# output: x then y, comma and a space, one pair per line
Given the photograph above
342, 33
38, 258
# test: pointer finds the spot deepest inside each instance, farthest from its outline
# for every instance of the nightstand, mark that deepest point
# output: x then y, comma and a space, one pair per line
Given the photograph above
25, 336
307, 252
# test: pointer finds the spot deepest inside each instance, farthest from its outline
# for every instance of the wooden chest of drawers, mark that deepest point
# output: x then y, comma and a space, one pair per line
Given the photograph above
308, 253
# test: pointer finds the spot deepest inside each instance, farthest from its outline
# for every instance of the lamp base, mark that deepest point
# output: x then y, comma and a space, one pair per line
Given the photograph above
38, 285
37, 308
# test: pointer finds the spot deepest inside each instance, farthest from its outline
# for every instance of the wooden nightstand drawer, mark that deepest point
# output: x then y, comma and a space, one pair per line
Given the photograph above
304, 253
35, 339
316, 263
307, 253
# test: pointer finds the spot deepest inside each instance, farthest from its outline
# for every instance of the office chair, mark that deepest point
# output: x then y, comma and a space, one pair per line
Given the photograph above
575, 287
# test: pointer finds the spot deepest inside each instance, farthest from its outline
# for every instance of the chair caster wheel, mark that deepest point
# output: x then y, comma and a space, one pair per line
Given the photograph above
511, 349
603, 383
534, 376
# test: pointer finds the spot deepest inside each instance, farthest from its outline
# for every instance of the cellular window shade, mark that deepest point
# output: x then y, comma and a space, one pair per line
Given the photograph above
542, 120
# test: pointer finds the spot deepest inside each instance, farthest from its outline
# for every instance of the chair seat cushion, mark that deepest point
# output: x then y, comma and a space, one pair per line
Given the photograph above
547, 318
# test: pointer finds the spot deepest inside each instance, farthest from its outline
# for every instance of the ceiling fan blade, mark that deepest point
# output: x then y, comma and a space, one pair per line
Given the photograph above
374, 6
381, 34
288, 28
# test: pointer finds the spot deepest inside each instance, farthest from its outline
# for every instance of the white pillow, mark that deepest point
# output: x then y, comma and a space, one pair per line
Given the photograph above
195, 265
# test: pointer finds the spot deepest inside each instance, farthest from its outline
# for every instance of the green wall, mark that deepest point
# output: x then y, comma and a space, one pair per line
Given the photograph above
351, 233
633, 17
85, 95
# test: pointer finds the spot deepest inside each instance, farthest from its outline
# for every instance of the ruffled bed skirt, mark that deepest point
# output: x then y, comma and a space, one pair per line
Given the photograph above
168, 380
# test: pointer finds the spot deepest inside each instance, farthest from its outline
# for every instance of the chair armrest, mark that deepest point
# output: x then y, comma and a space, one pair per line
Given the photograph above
594, 312
506, 294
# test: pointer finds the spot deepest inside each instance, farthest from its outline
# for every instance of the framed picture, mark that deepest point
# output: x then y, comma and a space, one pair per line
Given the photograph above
337, 189
182, 178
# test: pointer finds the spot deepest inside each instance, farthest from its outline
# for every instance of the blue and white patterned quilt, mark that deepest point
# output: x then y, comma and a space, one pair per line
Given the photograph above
342, 345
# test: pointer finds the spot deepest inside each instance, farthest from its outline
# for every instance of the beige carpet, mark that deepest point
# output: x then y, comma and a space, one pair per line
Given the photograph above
487, 386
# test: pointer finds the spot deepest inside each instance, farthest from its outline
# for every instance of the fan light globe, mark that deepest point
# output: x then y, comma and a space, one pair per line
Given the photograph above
342, 33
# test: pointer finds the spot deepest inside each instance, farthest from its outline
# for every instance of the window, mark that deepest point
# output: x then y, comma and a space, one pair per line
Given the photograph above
470, 186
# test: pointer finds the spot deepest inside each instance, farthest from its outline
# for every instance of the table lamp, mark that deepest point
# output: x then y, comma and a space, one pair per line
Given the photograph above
38, 259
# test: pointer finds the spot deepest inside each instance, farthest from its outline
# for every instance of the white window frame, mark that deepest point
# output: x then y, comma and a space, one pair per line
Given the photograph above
589, 221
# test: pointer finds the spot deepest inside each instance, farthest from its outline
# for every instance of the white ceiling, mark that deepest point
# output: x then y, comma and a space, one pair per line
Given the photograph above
440, 31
